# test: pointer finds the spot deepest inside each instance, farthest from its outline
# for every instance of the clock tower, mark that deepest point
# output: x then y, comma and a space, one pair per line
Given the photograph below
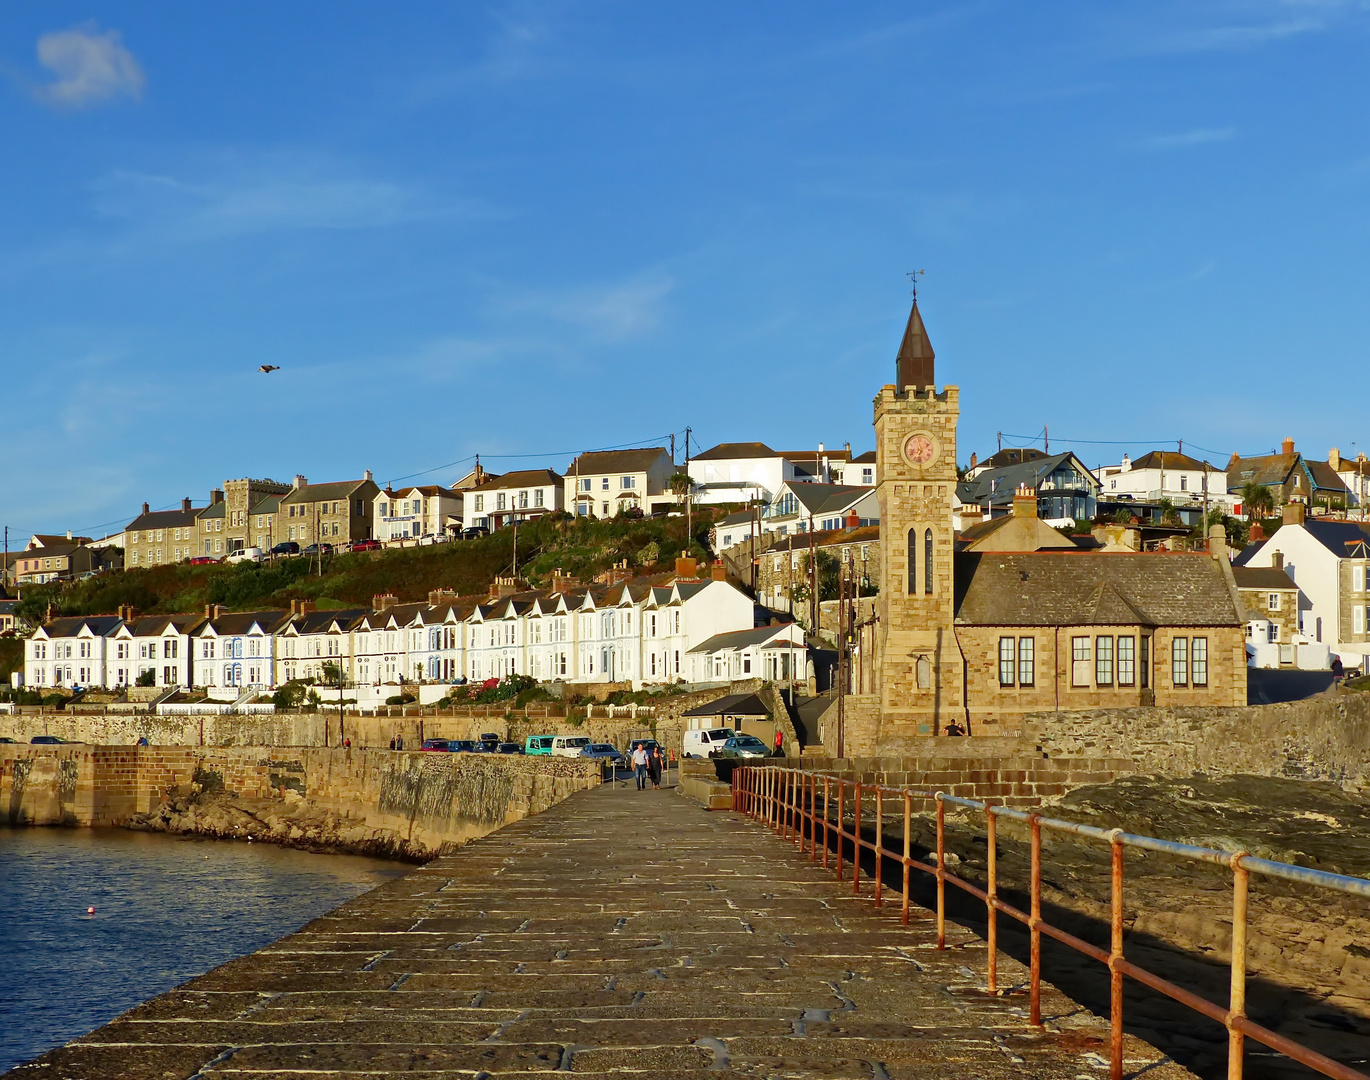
921, 680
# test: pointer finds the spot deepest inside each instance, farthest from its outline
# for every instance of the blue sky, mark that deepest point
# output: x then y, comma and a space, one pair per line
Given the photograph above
529, 229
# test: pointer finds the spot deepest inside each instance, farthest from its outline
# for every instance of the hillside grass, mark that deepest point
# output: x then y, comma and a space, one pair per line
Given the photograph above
580, 547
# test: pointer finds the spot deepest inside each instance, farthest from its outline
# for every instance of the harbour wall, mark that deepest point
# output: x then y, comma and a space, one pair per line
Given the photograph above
407, 804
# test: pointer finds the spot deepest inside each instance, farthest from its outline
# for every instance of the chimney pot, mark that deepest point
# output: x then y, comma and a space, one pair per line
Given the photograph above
1334, 459
718, 572
686, 567
1288, 447
1256, 533
1277, 560
1024, 502
1294, 513
300, 481
366, 474
185, 505
145, 508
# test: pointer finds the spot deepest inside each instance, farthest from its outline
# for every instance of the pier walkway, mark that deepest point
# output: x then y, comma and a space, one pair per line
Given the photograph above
619, 932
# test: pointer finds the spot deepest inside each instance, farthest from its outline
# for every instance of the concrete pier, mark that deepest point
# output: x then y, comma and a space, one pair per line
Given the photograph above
618, 932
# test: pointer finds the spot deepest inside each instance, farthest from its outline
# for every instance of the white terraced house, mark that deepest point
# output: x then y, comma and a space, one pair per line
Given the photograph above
634, 631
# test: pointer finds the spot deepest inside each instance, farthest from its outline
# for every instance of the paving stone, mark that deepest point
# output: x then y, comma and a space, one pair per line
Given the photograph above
694, 944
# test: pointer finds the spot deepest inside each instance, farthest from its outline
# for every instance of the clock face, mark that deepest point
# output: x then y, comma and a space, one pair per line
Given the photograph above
920, 449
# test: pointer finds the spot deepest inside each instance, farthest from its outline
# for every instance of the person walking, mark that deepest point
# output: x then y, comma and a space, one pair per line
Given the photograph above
640, 765
655, 764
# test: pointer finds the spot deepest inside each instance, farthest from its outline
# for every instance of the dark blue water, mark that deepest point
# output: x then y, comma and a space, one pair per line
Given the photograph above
166, 909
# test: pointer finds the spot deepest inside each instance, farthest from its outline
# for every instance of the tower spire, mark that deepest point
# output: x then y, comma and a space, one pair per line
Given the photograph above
914, 365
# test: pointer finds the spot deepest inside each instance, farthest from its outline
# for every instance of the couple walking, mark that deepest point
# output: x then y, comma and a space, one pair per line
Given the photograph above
648, 765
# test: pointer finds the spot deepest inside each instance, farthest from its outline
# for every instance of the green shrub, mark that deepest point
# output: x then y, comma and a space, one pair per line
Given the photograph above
400, 699
289, 696
147, 678
54, 699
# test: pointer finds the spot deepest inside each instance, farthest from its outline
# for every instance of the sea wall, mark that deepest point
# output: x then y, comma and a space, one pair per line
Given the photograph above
379, 801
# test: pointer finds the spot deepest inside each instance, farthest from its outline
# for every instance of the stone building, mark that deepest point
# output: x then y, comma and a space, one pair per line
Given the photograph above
157, 537
242, 499
1272, 611
332, 513
967, 643
782, 567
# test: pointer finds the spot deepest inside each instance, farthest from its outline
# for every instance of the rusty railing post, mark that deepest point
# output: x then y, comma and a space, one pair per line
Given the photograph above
1034, 926
1115, 956
841, 823
879, 841
991, 903
827, 788
856, 841
908, 816
1236, 1002
941, 872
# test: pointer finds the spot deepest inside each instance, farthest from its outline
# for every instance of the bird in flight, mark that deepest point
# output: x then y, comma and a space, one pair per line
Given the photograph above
268, 368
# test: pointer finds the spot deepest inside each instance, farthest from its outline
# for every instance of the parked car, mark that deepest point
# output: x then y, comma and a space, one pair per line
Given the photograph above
461, 746
539, 744
250, 554
313, 549
703, 743
286, 547
202, 560
475, 532
435, 744
743, 746
484, 747
366, 545
650, 744
510, 748
604, 752
48, 740
568, 745
7, 739
489, 736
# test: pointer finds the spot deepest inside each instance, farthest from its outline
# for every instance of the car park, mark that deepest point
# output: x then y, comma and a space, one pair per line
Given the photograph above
568, 745
435, 744
247, 554
539, 744
743, 746
286, 547
703, 742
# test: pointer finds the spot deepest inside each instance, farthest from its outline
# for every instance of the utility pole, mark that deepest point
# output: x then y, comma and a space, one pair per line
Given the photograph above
841, 656
790, 590
689, 498
813, 580
751, 527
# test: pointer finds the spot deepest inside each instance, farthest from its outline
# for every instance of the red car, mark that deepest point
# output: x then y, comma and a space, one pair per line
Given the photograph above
203, 560
366, 545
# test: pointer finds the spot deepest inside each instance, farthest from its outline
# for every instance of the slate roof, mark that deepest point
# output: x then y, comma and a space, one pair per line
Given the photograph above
1266, 470
825, 538
868, 458
1172, 459
736, 704
218, 510
1011, 455
615, 461
1325, 478
70, 625
312, 493
997, 486
163, 519
270, 505
525, 478
240, 622
827, 498
1044, 588
736, 450
318, 622
738, 639
48, 540
155, 625
1262, 577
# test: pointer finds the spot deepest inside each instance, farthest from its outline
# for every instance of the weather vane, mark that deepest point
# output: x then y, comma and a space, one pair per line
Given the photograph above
912, 275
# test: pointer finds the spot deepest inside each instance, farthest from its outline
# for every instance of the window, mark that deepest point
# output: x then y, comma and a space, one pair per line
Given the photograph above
1184, 483
1357, 579
927, 562
867, 476
1272, 602
913, 561
1103, 661
1358, 620
627, 482
1127, 661
605, 506
585, 484
1080, 661
499, 500
537, 497
1272, 632
924, 673
1007, 661
1198, 662
480, 503
1027, 661
1179, 661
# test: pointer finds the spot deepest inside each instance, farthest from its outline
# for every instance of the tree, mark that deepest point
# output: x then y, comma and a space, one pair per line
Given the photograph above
147, 678
1257, 501
332, 674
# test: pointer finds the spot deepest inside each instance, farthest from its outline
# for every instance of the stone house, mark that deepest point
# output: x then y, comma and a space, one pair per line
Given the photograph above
59, 562
1272, 612
334, 513
1355, 474
158, 537
240, 497
515, 496
607, 482
1290, 477
262, 522
781, 567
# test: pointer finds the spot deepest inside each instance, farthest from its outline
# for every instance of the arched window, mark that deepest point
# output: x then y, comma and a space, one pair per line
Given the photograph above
927, 562
913, 561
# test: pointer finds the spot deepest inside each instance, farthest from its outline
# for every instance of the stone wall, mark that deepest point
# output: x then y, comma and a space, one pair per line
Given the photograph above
375, 800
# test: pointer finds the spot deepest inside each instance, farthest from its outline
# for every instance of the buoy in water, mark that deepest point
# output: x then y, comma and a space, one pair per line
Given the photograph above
90, 911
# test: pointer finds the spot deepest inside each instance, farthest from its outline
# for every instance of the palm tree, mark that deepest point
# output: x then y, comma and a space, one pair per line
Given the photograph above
1257, 501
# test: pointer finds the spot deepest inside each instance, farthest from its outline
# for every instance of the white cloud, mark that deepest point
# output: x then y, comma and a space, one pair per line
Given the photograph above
1195, 137
606, 313
90, 67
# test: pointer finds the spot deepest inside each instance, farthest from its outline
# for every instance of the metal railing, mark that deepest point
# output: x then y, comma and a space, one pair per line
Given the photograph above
789, 800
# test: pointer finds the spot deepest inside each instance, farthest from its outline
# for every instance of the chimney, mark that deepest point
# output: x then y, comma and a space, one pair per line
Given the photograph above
215, 497
1287, 448
1236, 457
299, 607
1217, 541
300, 481
562, 582
1277, 560
383, 601
1024, 502
1294, 513
718, 572
144, 508
1256, 533
848, 451
185, 505
973, 459
366, 474
853, 522
1127, 464
686, 568
438, 597
213, 611
68, 534
128, 612
1334, 459
971, 515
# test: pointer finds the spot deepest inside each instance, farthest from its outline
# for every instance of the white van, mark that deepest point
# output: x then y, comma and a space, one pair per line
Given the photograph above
702, 743
251, 554
569, 745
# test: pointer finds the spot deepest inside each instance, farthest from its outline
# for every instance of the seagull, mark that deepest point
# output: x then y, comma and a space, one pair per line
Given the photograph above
268, 368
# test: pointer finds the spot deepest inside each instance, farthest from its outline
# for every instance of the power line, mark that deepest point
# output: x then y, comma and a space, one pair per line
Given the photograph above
652, 441
1121, 442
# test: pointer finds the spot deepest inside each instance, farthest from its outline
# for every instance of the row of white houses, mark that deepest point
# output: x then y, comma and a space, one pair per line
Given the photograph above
633, 631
